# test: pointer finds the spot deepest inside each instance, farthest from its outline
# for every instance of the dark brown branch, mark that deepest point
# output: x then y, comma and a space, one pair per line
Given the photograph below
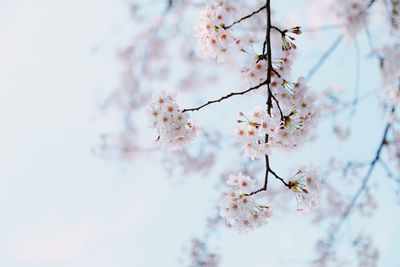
226, 96
245, 17
267, 45
277, 73
279, 30
267, 54
277, 104
267, 170
267, 41
279, 178
269, 100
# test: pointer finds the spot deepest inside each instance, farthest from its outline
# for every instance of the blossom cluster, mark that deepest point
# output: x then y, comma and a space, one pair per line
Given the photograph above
215, 39
172, 125
240, 209
252, 136
256, 72
260, 131
284, 124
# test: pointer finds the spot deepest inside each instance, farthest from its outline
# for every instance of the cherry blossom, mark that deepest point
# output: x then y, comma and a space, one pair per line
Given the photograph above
172, 125
241, 209
215, 39
288, 114
252, 136
260, 132
255, 73
306, 185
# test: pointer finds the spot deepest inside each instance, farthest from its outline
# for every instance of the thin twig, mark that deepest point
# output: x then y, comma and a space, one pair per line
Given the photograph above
226, 97
267, 45
282, 32
279, 178
245, 17
267, 54
267, 170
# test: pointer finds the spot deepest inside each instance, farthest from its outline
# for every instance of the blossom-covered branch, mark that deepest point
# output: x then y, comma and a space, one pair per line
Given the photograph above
284, 123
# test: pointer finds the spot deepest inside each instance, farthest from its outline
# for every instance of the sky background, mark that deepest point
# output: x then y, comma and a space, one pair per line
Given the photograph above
61, 205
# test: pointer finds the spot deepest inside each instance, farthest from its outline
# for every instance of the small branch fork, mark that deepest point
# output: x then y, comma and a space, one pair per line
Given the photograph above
268, 171
267, 52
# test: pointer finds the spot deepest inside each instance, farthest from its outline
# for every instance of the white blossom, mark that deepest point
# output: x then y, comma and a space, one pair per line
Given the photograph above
256, 73
240, 209
216, 41
306, 185
173, 127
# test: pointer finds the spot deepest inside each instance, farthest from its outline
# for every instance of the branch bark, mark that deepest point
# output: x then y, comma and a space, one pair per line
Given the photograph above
245, 17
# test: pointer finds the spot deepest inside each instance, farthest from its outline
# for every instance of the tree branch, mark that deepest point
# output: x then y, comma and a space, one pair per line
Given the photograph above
226, 97
279, 178
282, 32
267, 168
268, 56
245, 17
